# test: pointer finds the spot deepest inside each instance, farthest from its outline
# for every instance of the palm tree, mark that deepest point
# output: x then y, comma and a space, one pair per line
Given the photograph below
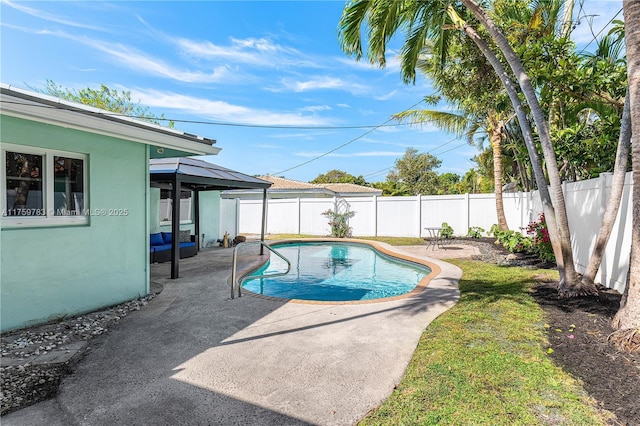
421, 19
468, 125
628, 317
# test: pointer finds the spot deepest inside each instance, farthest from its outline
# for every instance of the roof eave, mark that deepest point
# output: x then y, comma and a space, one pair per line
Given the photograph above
26, 106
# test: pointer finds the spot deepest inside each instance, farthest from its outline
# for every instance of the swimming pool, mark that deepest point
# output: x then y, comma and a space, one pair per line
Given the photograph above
336, 271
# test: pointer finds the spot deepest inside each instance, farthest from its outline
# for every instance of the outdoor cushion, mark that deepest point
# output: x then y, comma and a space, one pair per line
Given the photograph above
156, 239
166, 237
189, 244
152, 249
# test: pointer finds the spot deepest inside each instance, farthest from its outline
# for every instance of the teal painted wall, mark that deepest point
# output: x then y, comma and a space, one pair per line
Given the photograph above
48, 273
154, 211
210, 218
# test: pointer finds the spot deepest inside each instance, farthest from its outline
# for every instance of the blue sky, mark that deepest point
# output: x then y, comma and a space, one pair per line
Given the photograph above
241, 63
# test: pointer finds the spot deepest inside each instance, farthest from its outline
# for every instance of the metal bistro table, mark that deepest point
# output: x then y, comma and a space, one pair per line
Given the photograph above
435, 237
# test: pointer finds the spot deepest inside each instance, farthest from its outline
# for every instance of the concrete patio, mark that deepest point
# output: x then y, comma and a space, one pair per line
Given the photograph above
194, 356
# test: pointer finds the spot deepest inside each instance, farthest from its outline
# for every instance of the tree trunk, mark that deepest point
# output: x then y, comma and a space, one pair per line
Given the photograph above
628, 317
613, 203
495, 136
527, 134
570, 284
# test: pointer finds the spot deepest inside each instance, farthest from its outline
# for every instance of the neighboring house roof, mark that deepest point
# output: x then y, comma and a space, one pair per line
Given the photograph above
48, 109
203, 174
351, 188
284, 186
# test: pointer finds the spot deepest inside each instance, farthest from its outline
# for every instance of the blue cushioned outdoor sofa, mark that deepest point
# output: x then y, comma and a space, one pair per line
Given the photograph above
160, 247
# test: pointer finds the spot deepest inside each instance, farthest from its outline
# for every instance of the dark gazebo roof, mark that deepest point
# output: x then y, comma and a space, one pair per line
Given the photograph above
198, 175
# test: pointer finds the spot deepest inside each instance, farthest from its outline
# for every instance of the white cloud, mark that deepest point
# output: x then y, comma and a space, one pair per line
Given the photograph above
146, 64
261, 52
223, 111
320, 83
316, 108
48, 16
386, 96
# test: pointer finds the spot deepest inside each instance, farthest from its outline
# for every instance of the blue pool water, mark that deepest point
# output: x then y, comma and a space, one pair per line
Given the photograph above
335, 272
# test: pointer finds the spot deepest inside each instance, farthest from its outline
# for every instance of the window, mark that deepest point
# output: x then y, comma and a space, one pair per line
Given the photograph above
43, 187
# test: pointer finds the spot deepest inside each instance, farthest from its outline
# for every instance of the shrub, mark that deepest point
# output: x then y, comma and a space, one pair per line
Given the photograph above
339, 223
475, 232
513, 241
447, 231
541, 241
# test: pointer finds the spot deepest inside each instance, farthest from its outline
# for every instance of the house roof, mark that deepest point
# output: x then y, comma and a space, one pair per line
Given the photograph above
202, 175
48, 109
283, 185
350, 188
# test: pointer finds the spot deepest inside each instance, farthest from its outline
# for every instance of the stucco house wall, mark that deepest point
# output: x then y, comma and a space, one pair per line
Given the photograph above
48, 272
58, 263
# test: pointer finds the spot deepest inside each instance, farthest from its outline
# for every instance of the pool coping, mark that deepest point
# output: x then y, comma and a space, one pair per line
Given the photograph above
383, 248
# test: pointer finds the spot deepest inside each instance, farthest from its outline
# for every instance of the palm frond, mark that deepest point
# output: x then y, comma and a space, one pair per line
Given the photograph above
457, 124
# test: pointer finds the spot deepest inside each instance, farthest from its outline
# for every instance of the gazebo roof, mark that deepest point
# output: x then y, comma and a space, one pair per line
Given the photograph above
202, 175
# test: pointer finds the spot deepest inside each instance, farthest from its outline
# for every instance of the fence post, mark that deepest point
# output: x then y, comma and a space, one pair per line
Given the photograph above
419, 212
375, 215
602, 189
237, 216
468, 205
299, 216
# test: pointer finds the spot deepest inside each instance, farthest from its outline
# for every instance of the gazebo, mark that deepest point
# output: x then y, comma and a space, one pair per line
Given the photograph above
198, 175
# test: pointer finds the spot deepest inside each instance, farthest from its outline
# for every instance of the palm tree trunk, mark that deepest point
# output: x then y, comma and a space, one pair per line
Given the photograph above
628, 317
570, 285
527, 134
495, 136
613, 203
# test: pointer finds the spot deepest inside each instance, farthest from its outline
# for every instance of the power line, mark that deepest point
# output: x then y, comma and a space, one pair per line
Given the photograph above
344, 144
218, 123
601, 30
428, 152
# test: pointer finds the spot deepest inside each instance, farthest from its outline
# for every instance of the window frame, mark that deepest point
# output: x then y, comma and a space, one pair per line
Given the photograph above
48, 188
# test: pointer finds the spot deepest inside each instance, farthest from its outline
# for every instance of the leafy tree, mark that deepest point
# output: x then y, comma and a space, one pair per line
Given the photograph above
415, 171
338, 176
448, 183
392, 189
104, 98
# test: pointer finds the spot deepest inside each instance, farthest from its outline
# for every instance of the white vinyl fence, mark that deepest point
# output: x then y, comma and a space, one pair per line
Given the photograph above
408, 216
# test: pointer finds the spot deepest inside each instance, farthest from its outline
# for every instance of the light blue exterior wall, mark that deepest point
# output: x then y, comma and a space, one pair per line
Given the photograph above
210, 218
47, 273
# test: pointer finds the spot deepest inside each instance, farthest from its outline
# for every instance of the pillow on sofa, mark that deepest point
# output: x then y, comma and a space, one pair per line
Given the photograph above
166, 236
156, 239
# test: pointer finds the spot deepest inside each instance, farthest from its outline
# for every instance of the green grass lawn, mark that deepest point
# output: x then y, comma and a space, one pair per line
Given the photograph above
485, 362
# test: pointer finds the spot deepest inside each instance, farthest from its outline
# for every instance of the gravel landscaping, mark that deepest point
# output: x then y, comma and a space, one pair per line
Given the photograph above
24, 383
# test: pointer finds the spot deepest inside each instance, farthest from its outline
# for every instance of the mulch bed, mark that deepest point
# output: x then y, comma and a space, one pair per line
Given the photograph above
577, 330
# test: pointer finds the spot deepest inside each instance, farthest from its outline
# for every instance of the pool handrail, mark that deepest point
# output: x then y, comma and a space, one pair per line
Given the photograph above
235, 258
